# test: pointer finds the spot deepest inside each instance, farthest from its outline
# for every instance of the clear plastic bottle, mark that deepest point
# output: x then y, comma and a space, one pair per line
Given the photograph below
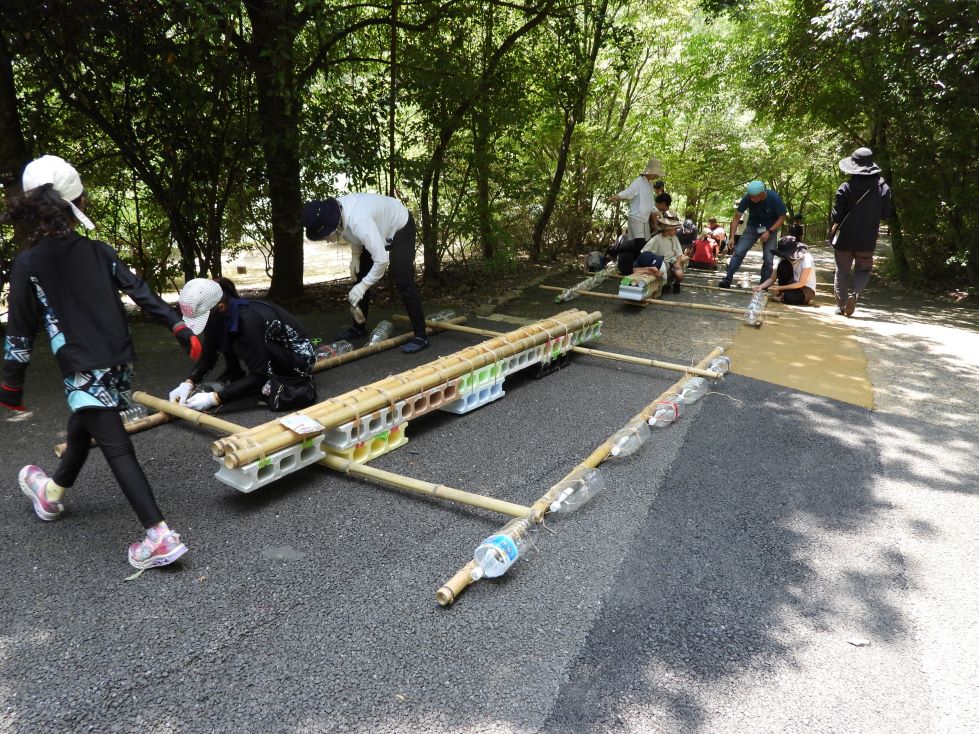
666, 412
576, 489
333, 349
745, 280
134, 412
720, 364
498, 552
444, 315
753, 315
692, 390
627, 440
381, 332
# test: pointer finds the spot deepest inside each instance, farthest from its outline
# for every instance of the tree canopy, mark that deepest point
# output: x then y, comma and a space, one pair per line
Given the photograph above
201, 128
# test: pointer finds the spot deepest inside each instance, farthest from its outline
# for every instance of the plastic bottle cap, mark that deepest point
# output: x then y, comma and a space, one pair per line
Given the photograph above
477, 573
616, 450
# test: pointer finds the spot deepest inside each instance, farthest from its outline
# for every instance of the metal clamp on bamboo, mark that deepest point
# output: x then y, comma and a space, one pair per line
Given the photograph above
615, 356
247, 446
659, 302
450, 591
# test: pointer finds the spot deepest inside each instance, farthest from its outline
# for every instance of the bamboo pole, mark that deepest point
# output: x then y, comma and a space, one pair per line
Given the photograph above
327, 363
659, 302
451, 589
429, 489
584, 350
137, 426
391, 389
246, 447
267, 430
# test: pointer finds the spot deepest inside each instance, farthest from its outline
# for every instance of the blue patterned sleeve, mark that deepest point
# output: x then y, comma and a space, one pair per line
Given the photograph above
22, 320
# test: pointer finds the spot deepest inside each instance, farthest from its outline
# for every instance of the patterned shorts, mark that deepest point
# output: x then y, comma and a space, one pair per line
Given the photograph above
101, 388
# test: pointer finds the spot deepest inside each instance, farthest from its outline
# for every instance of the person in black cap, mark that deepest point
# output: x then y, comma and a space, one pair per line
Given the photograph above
794, 280
381, 232
859, 206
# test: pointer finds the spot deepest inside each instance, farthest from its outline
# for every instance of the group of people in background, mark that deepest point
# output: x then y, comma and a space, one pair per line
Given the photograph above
658, 242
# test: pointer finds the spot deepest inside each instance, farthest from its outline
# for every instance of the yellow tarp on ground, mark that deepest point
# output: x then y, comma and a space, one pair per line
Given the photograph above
809, 349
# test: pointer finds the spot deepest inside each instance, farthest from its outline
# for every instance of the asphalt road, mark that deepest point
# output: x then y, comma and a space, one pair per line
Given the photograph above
772, 562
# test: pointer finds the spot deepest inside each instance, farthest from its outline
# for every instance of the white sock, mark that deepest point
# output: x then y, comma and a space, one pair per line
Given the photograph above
53, 492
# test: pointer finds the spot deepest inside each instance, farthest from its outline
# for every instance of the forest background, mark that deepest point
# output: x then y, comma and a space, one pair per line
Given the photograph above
200, 128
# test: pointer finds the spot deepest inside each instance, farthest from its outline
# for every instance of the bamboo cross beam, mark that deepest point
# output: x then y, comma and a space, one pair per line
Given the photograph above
659, 302
582, 350
451, 589
386, 478
329, 362
136, 426
743, 291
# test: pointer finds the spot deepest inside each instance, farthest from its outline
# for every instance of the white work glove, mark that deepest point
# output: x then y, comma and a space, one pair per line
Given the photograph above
203, 401
180, 392
357, 293
354, 267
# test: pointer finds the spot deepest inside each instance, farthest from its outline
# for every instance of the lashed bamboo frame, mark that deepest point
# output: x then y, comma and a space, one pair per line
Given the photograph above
428, 489
247, 446
659, 302
615, 356
451, 589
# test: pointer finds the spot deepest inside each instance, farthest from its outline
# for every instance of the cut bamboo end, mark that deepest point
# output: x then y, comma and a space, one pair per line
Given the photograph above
448, 593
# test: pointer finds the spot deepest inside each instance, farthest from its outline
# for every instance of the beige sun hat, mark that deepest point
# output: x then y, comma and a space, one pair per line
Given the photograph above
653, 168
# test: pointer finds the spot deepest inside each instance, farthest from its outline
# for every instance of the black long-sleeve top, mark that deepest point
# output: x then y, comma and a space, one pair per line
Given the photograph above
244, 331
71, 285
859, 206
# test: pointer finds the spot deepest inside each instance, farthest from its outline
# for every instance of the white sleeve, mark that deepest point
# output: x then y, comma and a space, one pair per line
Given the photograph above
630, 192
368, 233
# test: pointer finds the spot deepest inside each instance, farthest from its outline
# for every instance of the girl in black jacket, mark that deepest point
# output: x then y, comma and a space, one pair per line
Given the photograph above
71, 284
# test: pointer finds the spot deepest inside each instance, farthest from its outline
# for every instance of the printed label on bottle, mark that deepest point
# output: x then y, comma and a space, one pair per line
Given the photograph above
504, 543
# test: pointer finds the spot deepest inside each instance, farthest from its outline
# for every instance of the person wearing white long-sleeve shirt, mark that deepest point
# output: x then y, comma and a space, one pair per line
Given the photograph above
640, 195
381, 233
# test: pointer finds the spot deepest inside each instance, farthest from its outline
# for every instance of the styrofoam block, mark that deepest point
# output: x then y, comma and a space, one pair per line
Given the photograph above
635, 292
276, 465
430, 400
484, 375
376, 446
354, 432
475, 399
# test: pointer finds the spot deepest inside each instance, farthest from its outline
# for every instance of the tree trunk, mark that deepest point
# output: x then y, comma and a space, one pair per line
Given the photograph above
275, 26
15, 152
570, 122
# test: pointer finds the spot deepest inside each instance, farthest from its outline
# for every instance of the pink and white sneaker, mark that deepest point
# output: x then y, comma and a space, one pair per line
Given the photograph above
33, 481
150, 553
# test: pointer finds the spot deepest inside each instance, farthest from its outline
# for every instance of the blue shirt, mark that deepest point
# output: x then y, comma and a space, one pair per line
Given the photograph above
765, 212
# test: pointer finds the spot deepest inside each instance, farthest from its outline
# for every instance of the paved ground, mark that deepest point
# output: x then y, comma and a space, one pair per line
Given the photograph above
776, 561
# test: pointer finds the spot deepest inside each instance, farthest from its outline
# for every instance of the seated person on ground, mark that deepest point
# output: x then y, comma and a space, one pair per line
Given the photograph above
720, 237
665, 244
277, 354
794, 281
704, 252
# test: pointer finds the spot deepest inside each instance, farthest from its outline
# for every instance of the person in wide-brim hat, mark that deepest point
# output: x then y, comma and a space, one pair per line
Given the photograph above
654, 168
794, 280
860, 163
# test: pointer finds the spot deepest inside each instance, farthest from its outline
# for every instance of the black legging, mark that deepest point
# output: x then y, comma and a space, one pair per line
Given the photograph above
105, 426
401, 265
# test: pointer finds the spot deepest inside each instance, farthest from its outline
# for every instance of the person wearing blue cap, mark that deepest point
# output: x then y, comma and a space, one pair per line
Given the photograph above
766, 212
381, 233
